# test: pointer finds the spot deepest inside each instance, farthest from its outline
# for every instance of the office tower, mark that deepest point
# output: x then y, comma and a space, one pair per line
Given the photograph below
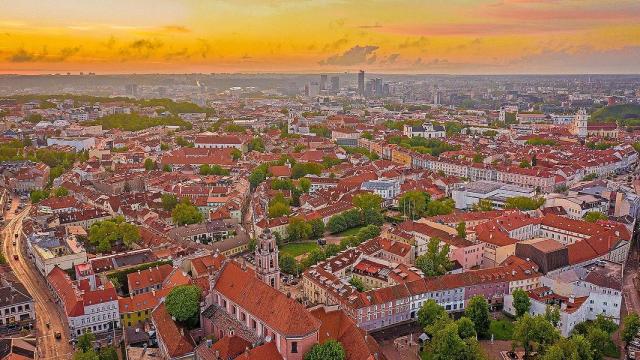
377, 88
323, 82
361, 82
335, 84
131, 90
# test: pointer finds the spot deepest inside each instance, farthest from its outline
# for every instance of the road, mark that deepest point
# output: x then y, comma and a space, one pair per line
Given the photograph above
629, 291
46, 310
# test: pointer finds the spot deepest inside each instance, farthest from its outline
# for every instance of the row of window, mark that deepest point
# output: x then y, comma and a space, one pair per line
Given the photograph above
18, 308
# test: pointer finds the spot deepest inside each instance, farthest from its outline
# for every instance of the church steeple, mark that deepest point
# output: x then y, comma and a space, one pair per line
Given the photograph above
266, 256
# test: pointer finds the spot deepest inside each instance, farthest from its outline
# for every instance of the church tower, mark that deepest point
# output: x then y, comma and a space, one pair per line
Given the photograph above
579, 126
266, 256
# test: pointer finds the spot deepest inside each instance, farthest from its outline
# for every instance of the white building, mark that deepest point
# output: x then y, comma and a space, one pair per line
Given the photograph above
387, 189
469, 194
79, 143
49, 251
426, 130
579, 125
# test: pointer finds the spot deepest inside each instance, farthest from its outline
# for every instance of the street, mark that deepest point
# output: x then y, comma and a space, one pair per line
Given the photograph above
629, 291
46, 310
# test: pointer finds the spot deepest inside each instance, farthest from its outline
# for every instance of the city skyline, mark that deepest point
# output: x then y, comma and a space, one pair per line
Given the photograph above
457, 37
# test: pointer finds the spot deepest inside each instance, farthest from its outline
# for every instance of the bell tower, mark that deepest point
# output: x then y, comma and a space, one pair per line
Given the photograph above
579, 126
266, 256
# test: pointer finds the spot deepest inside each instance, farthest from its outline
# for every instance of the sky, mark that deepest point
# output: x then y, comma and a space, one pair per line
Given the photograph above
320, 36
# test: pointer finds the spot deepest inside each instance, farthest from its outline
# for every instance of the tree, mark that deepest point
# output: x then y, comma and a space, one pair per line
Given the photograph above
372, 217
185, 214
594, 216
552, 314
440, 207
38, 195
429, 313
85, 341
478, 312
331, 250
482, 205
599, 340
329, 350
278, 209
523, 203
605, 323
298, 229
317, 228
446, 344
167, 168
367, 201
288, 264
534, 333
630, 327
256, 144
521, 302
60, 192
169, 201
357, 283
461, 228
301, 169
108, 353
466, 328
574, 348
305, 185
149, 164
183, 303
104, 234
236, 154
525, 164
436, 260
413, 203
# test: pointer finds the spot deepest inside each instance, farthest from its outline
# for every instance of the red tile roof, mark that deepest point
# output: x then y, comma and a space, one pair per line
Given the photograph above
170, 334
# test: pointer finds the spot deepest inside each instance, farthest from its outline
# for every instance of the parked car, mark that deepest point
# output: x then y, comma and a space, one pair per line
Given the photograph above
58, 335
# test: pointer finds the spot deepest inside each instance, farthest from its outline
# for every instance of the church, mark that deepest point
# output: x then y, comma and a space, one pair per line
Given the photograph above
581, 127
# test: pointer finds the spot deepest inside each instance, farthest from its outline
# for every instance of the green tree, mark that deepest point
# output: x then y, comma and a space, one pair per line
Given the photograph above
574, 348
104, 234
372, 217
166, 168
357, 283
523, 203
552, 314
278, 209
413, 203
461, 229
236, 154
521, 302
429, 313
329, 350
534, 333
169, 201
108, 353
317, 228
478, 312
183, 303
440, 207
446, 344
288, 264
594, 216
630, 327
85, 341
367, 201
305, 185
185, 213
599, 340
525, 164
435, 261
60, 192
149, 164
482, 205
298, 229
38, 195
301, 169
256, 144
466, 328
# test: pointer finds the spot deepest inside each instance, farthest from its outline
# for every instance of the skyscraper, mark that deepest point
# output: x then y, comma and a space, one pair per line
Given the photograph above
335, 84
361, 83
323, 82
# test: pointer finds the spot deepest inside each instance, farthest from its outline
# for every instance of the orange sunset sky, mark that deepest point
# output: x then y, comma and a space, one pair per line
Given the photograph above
388, 36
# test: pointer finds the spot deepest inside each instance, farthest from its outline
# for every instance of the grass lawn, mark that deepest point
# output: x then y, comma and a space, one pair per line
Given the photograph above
297, 249
501, 329
351, 231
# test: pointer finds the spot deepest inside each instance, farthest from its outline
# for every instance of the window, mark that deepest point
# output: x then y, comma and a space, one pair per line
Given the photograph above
294, 347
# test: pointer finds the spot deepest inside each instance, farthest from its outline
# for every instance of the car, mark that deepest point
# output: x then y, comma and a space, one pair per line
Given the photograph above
15, 235
14, 243
15, 257
58, 335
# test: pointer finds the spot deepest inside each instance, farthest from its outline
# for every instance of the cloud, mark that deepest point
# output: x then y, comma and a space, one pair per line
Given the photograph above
180, 54
419, 42
176, 29
66, 53
145, 44
336, 44
354, 56
390, 59
21, 56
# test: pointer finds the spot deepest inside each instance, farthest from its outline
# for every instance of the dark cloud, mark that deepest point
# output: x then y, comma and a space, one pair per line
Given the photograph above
66, 53
180, 54
390, 59
203, 48
354, 56
146, 44
21, 55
